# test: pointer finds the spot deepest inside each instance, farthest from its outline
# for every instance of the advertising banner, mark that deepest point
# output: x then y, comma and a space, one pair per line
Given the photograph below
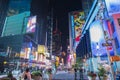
77, 20
41, 49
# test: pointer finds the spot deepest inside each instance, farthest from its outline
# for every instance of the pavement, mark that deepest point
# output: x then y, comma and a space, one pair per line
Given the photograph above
65, 75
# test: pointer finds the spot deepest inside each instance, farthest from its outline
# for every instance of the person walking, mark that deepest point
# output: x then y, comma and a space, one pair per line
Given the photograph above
75, 71
27, 75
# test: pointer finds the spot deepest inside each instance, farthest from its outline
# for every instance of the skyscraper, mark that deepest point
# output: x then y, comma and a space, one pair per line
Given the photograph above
3, 11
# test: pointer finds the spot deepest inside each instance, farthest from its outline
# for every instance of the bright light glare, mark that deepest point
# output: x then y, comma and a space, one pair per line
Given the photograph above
96, 33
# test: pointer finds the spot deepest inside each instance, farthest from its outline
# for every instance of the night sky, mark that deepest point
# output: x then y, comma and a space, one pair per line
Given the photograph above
61, 8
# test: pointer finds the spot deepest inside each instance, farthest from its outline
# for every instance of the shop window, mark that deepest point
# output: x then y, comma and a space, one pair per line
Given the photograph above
116, 43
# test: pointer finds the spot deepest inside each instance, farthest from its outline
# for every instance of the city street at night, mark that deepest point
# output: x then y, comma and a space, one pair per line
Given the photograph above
59, 39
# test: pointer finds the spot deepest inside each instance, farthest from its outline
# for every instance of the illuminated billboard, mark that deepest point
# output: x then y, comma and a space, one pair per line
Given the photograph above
113, 6
77, 20
31, 25
26, 50
98, 33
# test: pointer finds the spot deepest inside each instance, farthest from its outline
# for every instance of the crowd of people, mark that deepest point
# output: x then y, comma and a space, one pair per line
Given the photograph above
44, 74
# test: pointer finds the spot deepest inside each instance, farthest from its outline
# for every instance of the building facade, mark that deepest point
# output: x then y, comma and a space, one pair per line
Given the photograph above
3, 13
105, 44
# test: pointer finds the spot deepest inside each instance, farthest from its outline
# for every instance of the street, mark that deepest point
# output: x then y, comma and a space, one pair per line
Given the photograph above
65, 75
59, 75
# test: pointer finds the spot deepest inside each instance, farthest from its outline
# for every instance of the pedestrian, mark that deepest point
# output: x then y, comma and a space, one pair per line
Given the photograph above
26, 74
81, 73
45, 75
75, 70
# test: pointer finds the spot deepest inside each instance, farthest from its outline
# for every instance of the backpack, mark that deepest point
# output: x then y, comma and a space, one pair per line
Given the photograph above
25, 77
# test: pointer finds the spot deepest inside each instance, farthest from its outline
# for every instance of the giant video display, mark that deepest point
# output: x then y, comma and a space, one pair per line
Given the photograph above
98, 32
31, 25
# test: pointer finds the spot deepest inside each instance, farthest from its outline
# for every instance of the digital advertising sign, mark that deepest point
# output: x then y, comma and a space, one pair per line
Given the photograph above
78, 24
31, 25
98, 32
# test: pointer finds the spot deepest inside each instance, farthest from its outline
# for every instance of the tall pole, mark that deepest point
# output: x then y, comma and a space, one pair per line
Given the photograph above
101, 18
51, 33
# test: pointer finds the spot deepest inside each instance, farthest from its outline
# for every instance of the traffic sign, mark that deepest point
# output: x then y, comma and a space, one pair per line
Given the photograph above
106, 44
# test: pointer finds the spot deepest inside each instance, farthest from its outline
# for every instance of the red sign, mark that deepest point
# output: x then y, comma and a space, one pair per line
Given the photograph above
116, 18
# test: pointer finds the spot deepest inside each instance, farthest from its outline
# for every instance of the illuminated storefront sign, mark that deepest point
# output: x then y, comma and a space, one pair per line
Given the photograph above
28, 51
41, 49
113, 6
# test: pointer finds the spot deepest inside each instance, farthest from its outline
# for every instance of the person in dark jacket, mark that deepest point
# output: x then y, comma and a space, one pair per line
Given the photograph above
75, 70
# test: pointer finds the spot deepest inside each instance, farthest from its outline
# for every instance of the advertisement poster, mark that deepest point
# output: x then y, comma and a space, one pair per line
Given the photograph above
97, 34
113, 6
31, 25
78, 20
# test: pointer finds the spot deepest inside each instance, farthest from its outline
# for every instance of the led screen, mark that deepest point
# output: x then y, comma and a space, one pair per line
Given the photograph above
98, 32
31, 25
113, 6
